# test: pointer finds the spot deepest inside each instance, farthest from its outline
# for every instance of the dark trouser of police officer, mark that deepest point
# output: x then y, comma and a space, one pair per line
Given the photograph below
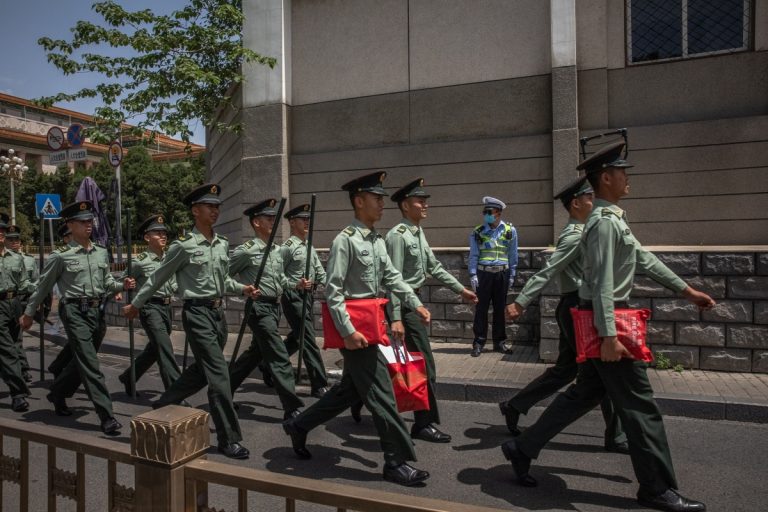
263, 321
292, 302
492, 287
559, 375
10, 365
155, 318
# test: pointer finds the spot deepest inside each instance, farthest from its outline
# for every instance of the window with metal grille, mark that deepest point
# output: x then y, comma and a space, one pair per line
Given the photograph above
660, 30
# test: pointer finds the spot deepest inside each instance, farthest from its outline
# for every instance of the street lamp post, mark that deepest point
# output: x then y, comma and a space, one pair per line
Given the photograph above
13, 168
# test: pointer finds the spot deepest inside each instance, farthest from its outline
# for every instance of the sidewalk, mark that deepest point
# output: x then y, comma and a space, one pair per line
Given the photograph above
493, 377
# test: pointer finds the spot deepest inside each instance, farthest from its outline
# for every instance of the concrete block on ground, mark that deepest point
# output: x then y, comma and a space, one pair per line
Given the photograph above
636, 303
748, 336
452, 260
713, 286
752, 412
752, 287
760, 361
521, 333
662, 333
709, 335
438, 311
681, 263
522, 276
684, 355
679, 310
539, 259
728, 264
729, 311
761, 313
726, 359
523, 260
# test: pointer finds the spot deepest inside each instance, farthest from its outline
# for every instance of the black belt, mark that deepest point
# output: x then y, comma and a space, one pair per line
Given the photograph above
84, 302
587, 304
493, 268
212, 303
268, 300
8, 295
164, 301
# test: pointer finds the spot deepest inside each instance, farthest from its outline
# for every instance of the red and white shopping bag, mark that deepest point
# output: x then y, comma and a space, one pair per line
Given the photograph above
408, 372
631, 330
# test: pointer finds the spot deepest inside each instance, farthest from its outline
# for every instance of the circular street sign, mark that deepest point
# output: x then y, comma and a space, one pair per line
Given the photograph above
115, 154
55, 138
75, 135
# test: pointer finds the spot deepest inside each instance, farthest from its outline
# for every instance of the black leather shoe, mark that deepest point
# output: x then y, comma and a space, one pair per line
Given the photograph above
234, 451
59, 405
476, 350
356, 409
111, 427
429, 433
521, 463
287, 415
319, 392
670, 500
19, 404
298, 439
622, 447
512, 416
27, 375
404, 474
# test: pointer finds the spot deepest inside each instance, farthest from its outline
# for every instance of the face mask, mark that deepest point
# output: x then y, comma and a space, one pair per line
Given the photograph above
489, 218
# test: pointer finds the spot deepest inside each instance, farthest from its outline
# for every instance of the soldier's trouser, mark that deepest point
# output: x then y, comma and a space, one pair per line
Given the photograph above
626, 384
156, 321
365, 379
84, 334
564, 371
417, 340
263, 321
311, 359
18, 334
206, 331
491, 289
65, 355
10, 365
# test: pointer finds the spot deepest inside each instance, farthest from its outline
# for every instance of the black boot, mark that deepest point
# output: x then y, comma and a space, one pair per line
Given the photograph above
521, 463
404, 474
298, 439
512, 416
671, 501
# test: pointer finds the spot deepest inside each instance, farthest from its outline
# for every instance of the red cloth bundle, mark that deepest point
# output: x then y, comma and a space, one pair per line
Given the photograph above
408, 371
368, 317
631, 330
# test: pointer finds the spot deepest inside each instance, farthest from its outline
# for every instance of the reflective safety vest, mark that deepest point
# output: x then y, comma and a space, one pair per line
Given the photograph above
493, 249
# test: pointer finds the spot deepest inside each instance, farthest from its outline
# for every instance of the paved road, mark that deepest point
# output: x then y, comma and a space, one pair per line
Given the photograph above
720, 462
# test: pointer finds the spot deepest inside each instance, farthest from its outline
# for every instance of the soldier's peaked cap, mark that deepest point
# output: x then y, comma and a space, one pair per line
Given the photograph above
81, 210
373, 183
208, 194
265, 207
607, 157
413, 189
300, 212
63, 230
576, 188
12, 231
153, 223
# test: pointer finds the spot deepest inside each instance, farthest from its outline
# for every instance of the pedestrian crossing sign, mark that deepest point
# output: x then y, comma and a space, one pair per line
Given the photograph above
48, 206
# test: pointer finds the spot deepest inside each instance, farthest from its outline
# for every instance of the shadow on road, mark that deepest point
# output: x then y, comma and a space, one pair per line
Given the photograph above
325, 463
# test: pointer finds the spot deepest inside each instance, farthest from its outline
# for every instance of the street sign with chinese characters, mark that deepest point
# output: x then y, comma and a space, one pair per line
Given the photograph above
57, 157
77, 154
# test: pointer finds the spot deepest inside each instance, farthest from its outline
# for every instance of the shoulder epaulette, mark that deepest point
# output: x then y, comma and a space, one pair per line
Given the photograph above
63, 248
349, 231
578, 227
181, 238
288, 243
479, 229
402, 229
249, 244
222, 236
141, 256
607, 212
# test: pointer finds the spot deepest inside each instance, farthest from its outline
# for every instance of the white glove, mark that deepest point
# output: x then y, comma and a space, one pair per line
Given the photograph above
473, 282
511, 281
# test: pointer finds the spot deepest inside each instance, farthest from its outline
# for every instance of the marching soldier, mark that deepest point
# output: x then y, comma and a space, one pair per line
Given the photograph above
266, 345
14, 281
565, 263
199, 262
81, 271
13, 242
155, 316
492, 264
294, 252
359, 268
65, 354
611, 254
411, 255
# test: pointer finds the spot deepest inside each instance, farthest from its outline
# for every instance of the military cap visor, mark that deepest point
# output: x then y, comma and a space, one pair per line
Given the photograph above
81, 210
373, 183
63, 231
606, 158
153, 223
266, 208
578, 187
413, 189
204, 194
12, 232
302, 211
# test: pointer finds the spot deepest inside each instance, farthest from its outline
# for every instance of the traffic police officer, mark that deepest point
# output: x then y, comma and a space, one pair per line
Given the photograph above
411, 255
14, 281
155, 316
13, 242
266, 345
199, 261
611, 254
81, 271
565, 264
358, 268
294, 252
492, 264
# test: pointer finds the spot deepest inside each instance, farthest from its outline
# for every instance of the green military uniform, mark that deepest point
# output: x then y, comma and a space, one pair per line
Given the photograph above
265, 314
13, 281
83, 277
565, 264
294, 252
155, 316
33, 274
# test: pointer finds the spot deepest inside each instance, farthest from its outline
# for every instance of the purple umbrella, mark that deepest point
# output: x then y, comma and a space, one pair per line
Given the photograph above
90, 191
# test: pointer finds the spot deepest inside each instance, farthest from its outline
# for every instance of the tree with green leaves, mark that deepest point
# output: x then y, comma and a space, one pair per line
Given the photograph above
166, 71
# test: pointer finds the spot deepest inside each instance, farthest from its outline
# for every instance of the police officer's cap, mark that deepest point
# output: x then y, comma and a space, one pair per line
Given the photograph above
4, 220
208, 194
12, 232
606, 158
413, 189
300, 212
64, 230
574, 189
492, 202
266, 207
153, 223
81, 210
373, 183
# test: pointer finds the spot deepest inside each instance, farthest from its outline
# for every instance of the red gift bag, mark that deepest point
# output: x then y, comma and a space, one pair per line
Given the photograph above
408, 372
368, 317
631, 330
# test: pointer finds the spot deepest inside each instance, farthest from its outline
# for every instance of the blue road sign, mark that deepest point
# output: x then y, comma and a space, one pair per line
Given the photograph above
48, 206
75, 135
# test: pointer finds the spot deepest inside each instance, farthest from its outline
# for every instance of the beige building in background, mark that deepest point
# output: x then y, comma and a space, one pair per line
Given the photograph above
491, 96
